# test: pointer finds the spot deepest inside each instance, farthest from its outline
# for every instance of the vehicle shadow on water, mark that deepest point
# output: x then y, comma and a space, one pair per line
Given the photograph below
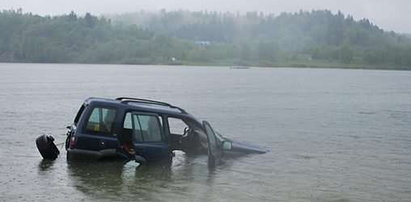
46, 165
180, 178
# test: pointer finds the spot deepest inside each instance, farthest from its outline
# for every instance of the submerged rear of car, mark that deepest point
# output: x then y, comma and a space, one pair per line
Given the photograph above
143, 130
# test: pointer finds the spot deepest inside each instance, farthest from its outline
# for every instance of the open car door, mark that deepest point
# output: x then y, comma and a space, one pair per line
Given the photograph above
214, 145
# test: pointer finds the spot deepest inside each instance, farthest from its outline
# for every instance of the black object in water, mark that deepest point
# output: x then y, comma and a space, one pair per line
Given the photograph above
47, 148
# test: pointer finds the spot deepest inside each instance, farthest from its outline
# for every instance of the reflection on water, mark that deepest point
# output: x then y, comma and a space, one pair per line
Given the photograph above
45, 165
131, 181
334, 135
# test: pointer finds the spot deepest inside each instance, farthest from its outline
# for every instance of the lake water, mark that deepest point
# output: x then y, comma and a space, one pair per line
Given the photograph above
334, 135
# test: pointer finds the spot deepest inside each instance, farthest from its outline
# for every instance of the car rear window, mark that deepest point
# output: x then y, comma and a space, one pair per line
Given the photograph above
101, 120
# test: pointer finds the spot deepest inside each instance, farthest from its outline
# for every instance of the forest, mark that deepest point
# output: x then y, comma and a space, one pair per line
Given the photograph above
317, 38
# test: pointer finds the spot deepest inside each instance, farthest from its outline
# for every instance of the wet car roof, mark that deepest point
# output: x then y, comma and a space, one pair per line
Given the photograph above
141, 104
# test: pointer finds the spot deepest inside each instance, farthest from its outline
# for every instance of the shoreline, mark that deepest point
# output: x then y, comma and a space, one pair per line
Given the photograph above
199, 64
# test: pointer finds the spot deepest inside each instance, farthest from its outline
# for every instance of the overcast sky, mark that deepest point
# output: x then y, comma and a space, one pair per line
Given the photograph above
388, 14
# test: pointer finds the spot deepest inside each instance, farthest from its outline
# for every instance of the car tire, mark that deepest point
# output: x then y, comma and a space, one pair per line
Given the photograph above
47, 148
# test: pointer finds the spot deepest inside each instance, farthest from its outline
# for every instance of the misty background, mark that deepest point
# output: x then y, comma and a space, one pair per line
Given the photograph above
391, 15
330, 34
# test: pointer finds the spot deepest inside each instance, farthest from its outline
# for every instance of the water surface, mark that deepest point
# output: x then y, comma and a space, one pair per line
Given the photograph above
334, 135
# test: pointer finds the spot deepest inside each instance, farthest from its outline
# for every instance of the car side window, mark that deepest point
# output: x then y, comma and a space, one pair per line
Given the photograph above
176, 126
146, 128
101, 120
128, 124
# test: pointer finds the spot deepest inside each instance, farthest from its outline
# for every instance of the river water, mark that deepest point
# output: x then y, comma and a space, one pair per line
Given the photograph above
333, 135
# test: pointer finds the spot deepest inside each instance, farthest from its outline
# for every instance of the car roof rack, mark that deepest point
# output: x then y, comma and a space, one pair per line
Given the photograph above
147, 101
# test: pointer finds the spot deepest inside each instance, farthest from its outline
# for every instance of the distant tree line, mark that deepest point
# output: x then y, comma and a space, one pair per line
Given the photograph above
74, 39
316, 38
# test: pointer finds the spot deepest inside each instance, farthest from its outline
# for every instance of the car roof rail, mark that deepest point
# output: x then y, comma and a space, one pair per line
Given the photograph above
147, 101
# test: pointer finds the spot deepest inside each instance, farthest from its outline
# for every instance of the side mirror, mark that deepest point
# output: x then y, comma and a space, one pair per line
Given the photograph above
227, 146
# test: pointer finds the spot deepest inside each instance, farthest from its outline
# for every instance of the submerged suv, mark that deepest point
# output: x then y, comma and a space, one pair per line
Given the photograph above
144, 130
